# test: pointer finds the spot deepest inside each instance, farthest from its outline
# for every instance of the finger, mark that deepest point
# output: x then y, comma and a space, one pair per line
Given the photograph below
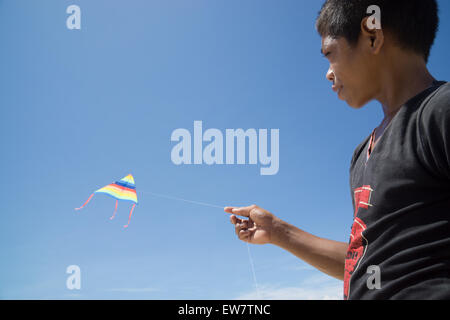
237, 228
242, 226
228, 209
234, 219
243, 211
244, 235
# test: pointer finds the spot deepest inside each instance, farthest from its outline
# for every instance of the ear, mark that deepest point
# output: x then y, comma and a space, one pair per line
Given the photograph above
372, 37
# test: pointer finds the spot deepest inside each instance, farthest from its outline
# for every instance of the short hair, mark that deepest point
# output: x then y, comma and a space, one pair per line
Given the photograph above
413, 23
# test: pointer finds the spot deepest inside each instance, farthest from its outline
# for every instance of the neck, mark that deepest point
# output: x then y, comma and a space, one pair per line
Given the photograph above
406, 76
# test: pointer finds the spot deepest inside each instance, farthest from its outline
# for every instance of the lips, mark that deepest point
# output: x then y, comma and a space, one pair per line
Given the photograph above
337, 89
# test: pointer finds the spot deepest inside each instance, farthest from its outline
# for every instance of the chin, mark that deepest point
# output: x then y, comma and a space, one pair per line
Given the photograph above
356, 103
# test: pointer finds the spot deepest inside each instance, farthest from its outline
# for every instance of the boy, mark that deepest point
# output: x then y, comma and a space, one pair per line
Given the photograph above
400, 174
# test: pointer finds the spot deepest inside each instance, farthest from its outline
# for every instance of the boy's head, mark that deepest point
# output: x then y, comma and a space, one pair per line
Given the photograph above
358, 52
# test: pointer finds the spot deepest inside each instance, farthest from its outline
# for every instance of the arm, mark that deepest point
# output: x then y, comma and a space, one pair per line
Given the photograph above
263, 227
326, 255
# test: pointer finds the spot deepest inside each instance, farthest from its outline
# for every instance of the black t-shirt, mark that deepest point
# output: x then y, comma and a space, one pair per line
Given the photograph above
399, 246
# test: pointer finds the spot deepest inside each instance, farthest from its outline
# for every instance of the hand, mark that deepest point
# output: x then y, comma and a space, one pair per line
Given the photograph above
258, 229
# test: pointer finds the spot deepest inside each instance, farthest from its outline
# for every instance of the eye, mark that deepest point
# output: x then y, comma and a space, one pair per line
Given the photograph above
325, 54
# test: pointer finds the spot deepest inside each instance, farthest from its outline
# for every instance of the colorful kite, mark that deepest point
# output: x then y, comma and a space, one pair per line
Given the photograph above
124, 189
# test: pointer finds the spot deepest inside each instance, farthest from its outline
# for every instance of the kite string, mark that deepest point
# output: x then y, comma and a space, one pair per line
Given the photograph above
214, 206
253, 271
181, 199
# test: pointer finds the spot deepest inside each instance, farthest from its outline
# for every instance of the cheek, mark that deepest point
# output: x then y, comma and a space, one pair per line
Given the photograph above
355, 75
357, 83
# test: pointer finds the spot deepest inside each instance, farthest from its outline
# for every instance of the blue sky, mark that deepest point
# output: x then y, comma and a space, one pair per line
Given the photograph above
83, 108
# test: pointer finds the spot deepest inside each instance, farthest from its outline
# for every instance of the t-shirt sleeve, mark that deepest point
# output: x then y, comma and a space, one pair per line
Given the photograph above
434, 132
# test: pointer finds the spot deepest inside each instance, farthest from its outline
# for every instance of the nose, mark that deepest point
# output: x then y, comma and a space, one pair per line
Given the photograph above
330, 75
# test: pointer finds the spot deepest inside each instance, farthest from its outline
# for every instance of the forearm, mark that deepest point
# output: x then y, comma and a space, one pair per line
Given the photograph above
326, 255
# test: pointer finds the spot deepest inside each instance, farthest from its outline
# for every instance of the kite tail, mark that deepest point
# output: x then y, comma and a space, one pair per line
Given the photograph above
129, 218
115, 210
89, 199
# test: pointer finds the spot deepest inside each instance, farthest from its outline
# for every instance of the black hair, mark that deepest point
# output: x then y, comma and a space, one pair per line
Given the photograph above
413, 23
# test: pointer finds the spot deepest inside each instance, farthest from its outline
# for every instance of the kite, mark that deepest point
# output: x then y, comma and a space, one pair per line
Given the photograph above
124, 189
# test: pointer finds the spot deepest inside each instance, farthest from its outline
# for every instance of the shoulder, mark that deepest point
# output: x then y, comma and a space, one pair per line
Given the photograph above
436, 107
434, 130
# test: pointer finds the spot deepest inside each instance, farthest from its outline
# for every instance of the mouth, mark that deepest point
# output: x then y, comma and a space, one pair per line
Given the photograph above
336, 89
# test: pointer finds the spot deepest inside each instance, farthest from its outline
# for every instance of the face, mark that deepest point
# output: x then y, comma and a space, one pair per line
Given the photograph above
352, 70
